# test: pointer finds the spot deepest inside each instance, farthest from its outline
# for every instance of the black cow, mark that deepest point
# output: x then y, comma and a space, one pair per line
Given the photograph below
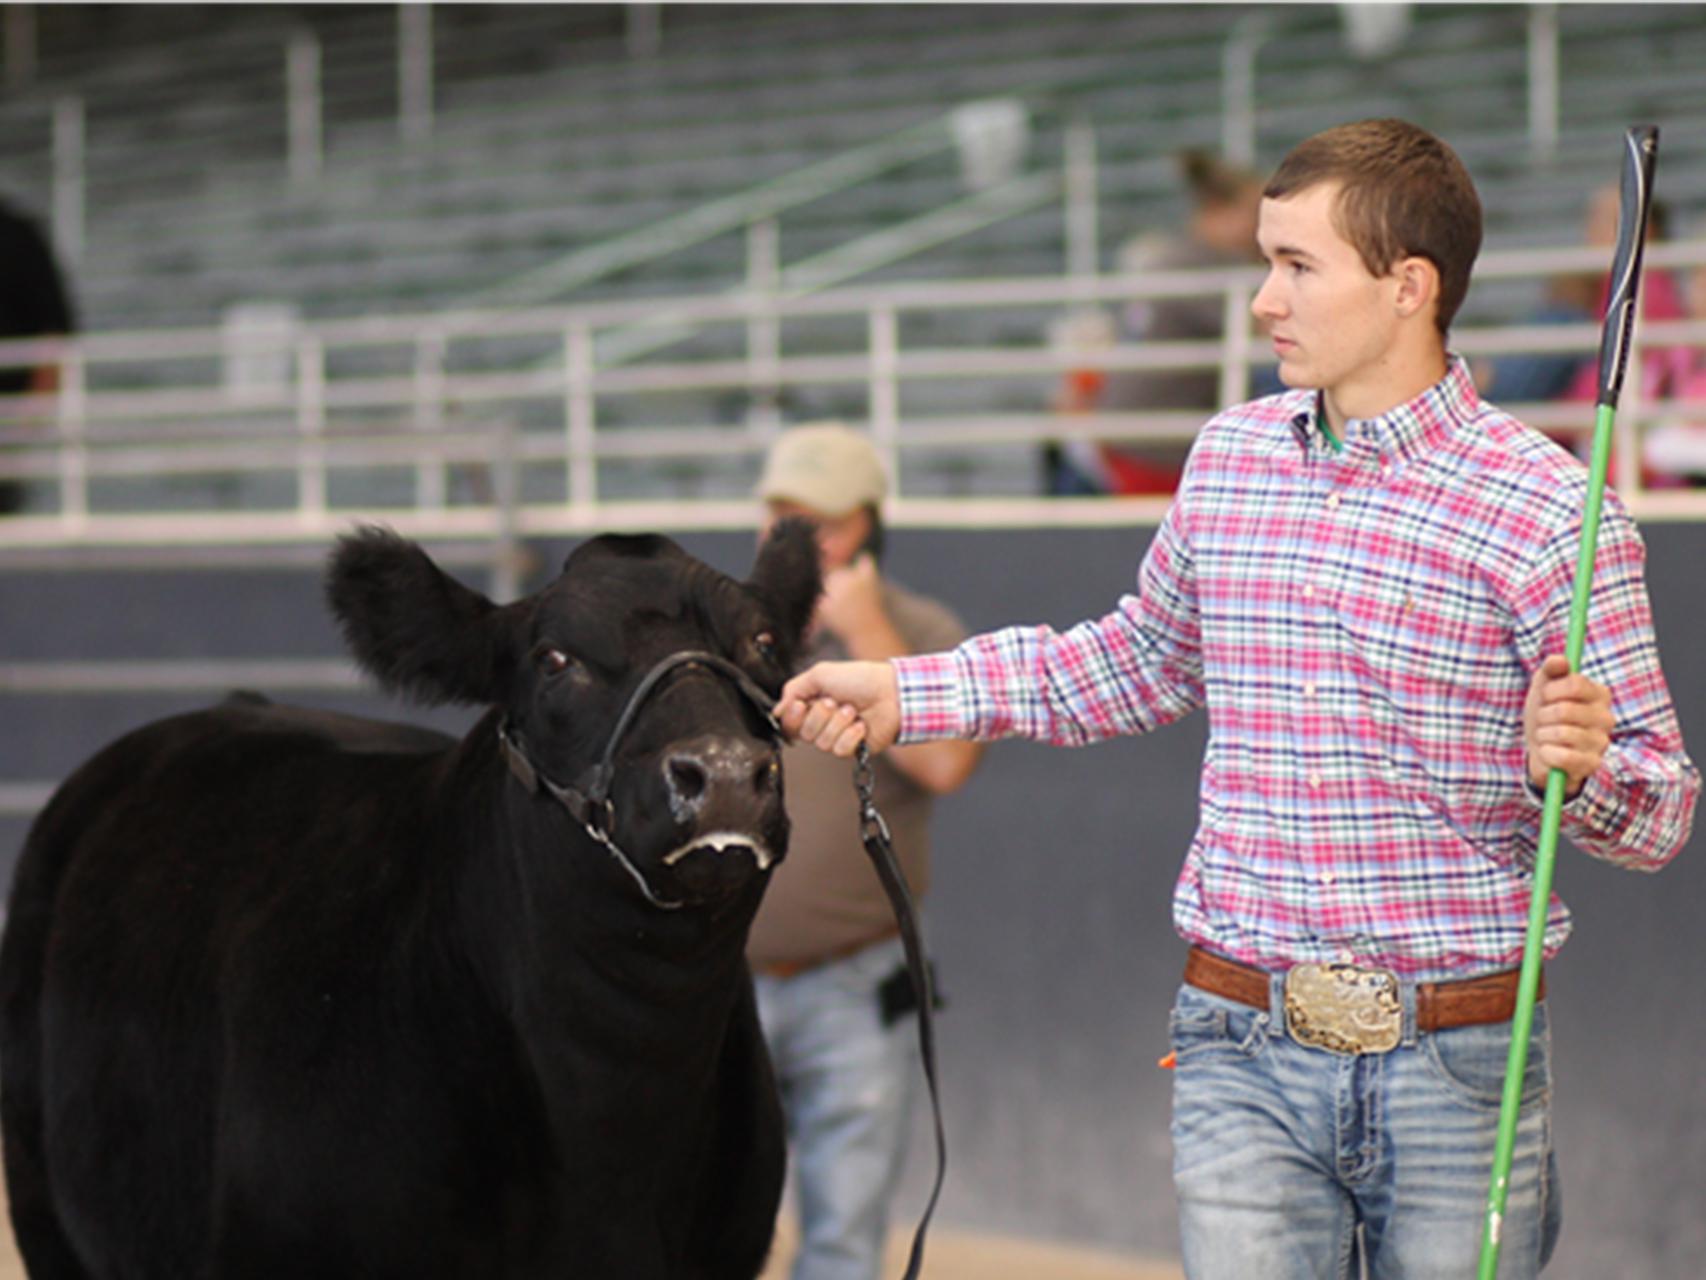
286, 993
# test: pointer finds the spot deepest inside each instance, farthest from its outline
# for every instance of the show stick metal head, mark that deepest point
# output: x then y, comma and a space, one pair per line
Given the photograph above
1641, 147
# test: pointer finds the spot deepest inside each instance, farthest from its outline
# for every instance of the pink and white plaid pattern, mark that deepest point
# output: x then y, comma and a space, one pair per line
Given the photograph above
1362, 627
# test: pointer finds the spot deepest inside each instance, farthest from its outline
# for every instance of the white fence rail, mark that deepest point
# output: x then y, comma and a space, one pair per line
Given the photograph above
428, 403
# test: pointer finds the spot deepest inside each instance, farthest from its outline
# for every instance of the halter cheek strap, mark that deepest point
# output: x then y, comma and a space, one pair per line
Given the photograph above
588, 800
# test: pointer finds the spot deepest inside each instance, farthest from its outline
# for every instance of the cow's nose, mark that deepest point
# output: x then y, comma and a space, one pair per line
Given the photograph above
699, 772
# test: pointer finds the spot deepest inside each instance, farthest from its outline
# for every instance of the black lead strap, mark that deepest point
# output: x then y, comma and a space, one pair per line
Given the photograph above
874, 832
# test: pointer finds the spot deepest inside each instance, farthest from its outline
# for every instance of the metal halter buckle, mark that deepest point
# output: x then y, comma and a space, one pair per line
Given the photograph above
1343, 1008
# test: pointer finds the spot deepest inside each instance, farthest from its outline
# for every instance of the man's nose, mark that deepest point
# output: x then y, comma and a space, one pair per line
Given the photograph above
1265, 305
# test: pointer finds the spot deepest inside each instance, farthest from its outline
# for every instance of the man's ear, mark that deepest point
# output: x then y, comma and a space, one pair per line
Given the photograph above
1418, 285
417, 630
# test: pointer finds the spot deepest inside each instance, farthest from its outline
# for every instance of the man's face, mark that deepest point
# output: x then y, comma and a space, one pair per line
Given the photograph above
839, 538
1333, 324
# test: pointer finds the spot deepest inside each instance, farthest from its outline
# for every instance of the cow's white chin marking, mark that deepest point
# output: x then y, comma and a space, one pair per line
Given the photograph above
724, 842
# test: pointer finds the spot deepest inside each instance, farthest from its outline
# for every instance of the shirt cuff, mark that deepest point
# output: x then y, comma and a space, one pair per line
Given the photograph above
1595, 798
930, 702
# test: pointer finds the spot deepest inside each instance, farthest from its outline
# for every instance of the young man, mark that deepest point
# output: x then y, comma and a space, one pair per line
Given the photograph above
1366, 580
826, 958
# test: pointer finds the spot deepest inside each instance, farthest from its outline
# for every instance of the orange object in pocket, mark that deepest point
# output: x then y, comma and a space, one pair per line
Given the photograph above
1169, 1062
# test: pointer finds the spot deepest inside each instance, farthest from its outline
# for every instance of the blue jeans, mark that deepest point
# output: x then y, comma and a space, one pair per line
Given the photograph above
1292, 1163
847, 1085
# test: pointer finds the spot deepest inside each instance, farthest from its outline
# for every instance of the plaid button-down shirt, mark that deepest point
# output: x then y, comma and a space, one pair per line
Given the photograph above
1362, 626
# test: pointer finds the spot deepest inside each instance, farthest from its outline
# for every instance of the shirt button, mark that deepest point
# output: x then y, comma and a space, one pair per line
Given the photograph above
1314, 781
1327, 877
1308, 590
1332, 501
1347, 956
1309, 689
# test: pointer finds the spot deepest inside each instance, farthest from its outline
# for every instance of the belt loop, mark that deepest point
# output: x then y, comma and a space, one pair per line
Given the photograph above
1411, 1034
1276, 1001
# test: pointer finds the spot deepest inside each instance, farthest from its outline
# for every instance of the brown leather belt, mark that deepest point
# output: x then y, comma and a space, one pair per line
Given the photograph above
786, 969
1439, 1005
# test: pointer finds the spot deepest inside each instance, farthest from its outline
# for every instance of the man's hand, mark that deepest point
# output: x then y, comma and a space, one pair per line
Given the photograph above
1566, 723
851, 607
837, 705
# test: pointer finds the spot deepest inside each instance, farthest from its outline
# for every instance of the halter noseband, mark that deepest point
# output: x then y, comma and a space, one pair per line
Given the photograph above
588, 800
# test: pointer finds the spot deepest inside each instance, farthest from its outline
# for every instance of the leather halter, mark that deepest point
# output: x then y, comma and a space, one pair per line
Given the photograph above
588, 799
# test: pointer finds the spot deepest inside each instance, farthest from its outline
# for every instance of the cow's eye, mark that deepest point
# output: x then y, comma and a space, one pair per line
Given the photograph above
765, 643
552, 661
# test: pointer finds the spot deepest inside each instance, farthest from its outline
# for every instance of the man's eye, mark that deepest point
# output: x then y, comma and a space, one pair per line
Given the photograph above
765, 643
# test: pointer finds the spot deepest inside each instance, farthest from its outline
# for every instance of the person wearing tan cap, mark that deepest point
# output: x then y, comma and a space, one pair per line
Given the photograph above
826, 960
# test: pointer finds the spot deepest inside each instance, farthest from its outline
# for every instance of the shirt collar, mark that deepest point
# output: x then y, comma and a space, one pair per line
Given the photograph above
1405, 431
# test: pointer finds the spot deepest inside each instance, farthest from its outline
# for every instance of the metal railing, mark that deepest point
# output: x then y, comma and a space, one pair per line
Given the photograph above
393, 394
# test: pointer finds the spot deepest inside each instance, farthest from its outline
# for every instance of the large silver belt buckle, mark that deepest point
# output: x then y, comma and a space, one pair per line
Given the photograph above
1343, 1008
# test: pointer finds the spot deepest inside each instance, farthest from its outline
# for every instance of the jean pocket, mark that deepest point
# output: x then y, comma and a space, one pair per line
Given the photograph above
1202, 1024
1470, 1062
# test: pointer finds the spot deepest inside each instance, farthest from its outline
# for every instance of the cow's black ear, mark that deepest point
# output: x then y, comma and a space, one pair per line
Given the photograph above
414, 628
788, 576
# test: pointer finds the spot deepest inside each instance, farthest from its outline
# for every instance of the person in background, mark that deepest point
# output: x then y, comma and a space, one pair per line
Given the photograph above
1532, 377
33, 304
1367, 581
1221, 232
1675, 444
827, 962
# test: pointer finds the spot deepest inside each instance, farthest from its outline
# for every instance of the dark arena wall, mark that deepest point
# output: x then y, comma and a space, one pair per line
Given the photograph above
1050, 916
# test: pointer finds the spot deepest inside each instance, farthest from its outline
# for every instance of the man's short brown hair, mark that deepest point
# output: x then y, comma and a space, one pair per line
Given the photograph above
1402, 193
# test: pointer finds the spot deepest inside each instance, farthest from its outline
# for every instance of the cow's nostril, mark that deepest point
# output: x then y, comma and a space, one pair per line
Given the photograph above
686, 777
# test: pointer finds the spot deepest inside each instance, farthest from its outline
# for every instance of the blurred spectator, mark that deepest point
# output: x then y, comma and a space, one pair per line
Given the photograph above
1659, 297
33, 303
828, 966
1542, 375
1675, 447
1221, 232
1581, 299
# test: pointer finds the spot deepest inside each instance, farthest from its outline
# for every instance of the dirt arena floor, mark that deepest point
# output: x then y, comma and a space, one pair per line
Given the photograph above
951, 1255
948, 1256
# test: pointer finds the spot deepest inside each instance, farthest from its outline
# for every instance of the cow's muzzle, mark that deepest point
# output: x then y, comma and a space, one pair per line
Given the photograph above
588, 800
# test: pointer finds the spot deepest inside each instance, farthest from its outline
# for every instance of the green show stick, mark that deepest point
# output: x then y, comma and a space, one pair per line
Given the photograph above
1641, 145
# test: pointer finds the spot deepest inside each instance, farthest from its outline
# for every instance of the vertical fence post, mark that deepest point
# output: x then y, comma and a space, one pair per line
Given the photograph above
508, 558
311, 427
68, 169
414, 73
1083, 247
73, 408
885, 389
20, 35
304, 122
582, 460
1238, 88
432, 475
1235, 344
763, 325
1543, 82
644, 30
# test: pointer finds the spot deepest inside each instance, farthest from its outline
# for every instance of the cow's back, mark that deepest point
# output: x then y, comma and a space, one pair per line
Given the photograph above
238, 863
